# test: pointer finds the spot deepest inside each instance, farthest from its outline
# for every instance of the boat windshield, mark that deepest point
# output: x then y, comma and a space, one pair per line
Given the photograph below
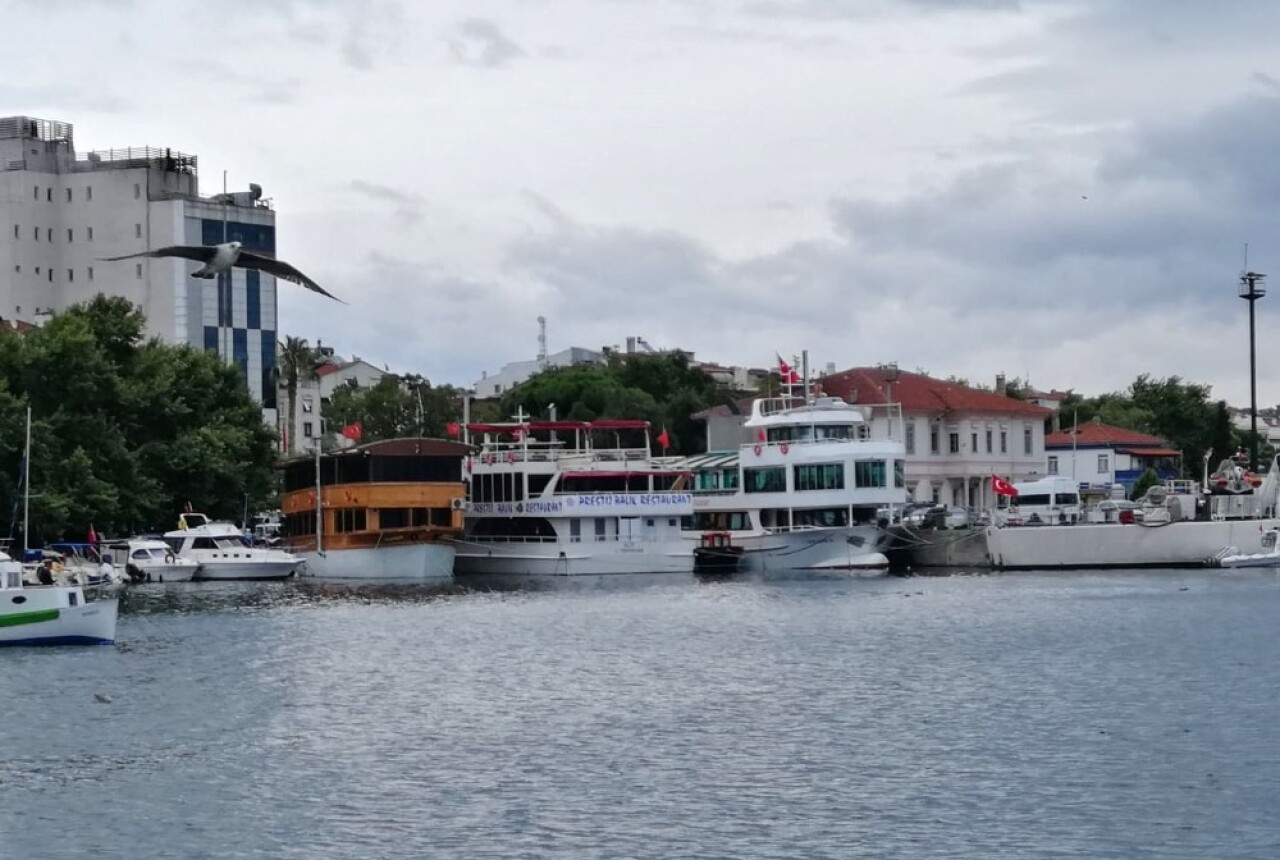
232, 542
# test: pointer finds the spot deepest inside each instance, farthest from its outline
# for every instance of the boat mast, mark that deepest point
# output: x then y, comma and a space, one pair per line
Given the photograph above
319, 502
26, 490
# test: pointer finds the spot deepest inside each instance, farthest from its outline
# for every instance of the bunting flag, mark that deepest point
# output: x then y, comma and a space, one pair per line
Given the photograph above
92, 537
452, 429
354, 430
1001, 487
664, 440
760, 434
788, 375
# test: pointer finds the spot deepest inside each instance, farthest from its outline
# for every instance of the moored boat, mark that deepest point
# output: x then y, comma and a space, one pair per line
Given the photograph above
571, 498
51, 614
152, 560
222, 551
383, 512
805, 494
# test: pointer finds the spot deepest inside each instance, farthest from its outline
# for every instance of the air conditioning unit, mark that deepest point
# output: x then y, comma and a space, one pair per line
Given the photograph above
458, 504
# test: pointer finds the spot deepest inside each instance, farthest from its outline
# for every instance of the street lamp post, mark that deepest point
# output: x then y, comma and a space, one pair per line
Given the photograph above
889, 373
1251, 289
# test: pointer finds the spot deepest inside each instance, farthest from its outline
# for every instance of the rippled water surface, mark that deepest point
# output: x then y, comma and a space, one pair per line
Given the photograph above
1124, 715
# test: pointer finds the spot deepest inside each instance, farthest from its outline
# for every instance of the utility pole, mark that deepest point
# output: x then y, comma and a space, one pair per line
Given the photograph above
1251, 289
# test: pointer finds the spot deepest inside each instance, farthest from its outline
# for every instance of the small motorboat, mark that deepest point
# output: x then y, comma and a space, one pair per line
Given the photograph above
716, 554
1232, 556
51, 614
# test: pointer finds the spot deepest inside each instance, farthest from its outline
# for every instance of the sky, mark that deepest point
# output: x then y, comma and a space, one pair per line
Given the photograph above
1061, 192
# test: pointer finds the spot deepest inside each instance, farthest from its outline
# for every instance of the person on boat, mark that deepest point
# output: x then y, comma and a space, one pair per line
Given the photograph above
106, 573
44, 573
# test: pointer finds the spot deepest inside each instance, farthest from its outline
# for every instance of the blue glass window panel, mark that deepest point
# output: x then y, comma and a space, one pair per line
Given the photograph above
240, 351
224, 300
269, 369
253, 298
254, 237
211, 338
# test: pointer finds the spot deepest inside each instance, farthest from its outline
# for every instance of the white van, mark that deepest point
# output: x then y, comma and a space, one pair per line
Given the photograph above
1048, 501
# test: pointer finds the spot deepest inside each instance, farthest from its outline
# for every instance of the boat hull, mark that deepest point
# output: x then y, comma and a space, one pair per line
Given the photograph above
248, 569
183, 571
557, 558
1176, 544
92, 623
418, 562
854, 549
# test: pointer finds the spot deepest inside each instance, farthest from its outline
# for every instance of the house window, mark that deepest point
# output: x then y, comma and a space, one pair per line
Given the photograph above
91, 273
50, 273
17, 232
35, 231
1053, 465
973, 442
137, 191
71, 275
911, 437
900, 473
37, 270
137, 231
48, 233
307, 405
35, 193
953, 442
70, 235
306, 429
17, 267
68, 195
1026, 440
1004, 441
988, 440
1104, 464
88, 192
90, 229
48, 194
934, 434
138, 269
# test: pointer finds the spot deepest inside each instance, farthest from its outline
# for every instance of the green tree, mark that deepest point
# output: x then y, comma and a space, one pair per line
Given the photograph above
396, 407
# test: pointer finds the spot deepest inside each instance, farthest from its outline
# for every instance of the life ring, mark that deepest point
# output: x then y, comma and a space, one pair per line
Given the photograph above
488, 458
758, 448
168, 558
783, 447
511, 456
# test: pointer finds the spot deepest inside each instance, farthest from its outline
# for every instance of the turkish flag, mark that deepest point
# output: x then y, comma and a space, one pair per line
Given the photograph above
354, 430
789, 376
760, 434
664, 440
452, 428
92, 535
1001, 487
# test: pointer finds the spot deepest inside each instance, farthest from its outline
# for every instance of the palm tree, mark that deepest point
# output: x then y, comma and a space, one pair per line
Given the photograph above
297, 363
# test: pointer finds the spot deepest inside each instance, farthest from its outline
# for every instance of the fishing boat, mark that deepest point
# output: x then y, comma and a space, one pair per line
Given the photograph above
805, 495
51, 614
383, 512
222, 551
570, 498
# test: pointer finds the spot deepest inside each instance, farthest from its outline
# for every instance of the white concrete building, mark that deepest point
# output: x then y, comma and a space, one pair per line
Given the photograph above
332, 374
61, 212
516, 372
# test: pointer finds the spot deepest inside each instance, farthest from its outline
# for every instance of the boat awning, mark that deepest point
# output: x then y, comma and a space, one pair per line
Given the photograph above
711, 461
1150, 452
634, 473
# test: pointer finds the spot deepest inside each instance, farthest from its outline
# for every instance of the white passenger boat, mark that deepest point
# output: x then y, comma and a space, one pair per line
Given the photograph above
222, 551
387, 511
805, 494
152, 560
51, 614
1176, 526
566, 498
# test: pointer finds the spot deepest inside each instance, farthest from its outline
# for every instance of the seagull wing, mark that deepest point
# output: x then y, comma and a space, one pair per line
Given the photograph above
199, 253
281, 269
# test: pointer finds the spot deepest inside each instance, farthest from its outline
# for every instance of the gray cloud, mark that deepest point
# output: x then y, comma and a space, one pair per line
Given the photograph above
841, 9
479, 42
64, 97
408, 205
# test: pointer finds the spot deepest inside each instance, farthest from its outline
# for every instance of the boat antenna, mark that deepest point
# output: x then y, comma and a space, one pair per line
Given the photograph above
26, 491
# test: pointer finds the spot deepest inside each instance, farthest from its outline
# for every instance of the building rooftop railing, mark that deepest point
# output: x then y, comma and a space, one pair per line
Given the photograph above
137, 156
30, 128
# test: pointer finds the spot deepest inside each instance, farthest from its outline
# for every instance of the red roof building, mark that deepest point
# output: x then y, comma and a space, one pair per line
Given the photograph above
1103, 455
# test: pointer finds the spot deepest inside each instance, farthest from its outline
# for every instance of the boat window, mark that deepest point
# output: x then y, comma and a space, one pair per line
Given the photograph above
600, 527
827, 517
18, 598
575, 530
899, 473
771, 479
204, 543
302, 523
349, 520
820, 476
538, 483
140, 554
719, 521
870, 473
72, 598
527, 528
393, 518
14, 579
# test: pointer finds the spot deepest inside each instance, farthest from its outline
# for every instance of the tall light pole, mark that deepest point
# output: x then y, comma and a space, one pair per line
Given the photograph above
1251, 289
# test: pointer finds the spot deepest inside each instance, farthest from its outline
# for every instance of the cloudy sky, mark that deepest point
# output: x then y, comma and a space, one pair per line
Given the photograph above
1060, 191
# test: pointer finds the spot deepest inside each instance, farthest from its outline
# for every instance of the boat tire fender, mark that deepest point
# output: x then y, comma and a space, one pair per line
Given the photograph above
758, 448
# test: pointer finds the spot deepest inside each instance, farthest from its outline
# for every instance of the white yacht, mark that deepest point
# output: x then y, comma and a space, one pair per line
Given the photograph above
222, 551
152, 560
805, 493
564, 498
51, 614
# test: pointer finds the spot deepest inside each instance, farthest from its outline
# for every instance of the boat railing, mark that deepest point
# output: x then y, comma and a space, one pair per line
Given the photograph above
515, 453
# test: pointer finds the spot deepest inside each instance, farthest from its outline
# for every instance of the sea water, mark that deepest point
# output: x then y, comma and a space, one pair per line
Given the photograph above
1063, 715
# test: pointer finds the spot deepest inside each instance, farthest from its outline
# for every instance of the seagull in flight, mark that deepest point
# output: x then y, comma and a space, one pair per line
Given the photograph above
220, 258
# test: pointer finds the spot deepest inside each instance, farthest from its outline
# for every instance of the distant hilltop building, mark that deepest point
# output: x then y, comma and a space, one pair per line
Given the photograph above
62, 211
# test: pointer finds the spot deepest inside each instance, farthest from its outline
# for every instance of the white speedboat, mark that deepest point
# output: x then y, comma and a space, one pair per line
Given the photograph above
51, 614
152, 560
567, 498
222, 551
387, 511
805, 494
1232, 556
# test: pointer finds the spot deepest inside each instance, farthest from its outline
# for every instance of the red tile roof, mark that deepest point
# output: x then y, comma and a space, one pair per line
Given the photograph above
1151, 452
1096, 433
919, 393
326, 369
